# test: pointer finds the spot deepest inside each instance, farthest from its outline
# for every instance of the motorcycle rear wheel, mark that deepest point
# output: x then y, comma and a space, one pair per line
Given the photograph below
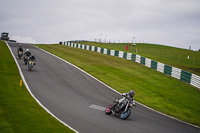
108, 110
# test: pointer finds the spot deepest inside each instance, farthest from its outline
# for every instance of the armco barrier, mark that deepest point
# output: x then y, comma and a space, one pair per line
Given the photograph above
185, 76
142, 60
167, 70
195, 81
148, 62
177, 73
160, 67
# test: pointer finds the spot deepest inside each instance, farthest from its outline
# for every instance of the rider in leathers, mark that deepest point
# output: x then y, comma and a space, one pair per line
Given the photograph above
19, 48
32, 58
129, 95
27, 53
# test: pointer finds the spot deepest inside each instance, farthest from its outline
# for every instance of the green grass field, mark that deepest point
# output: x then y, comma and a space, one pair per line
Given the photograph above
19, 112
154, 89
168, 55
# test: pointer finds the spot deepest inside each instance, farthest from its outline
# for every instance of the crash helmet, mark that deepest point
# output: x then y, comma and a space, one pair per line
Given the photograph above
131, 93
27, 50
20, 44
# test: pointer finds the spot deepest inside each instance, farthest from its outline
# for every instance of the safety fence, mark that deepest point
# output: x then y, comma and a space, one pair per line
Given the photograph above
177, 73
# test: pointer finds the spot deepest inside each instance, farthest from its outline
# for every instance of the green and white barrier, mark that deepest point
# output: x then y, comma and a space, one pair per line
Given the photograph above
174, 72
160, 67
195, 81
138, 58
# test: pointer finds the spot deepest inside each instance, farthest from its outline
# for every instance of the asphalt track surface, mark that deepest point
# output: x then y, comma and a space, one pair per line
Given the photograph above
78, 100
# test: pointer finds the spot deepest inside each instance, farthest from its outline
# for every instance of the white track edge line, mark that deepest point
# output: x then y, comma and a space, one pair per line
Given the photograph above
27, 87
116, 90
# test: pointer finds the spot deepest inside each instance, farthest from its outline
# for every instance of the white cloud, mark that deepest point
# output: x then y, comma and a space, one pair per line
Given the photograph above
23, 39
171, 22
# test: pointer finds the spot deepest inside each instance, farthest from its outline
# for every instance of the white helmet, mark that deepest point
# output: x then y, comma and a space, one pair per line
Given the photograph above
27, 50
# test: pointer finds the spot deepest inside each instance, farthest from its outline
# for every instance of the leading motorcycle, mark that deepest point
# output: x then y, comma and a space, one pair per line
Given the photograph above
20, 53
121, 109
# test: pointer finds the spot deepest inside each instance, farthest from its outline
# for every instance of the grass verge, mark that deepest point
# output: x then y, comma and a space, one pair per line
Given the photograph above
181, 58
19, 112
154, 89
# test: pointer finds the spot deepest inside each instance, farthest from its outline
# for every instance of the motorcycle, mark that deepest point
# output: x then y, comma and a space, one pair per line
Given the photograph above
20, 54
26, 58
30, 65
122, 109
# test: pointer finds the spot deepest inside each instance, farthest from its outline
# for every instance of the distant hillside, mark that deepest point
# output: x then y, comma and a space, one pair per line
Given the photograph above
181, 58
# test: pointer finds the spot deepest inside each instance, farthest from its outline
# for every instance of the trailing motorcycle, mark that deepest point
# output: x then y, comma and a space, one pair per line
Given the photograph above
26, 58
30, 64
20, 53
121, 109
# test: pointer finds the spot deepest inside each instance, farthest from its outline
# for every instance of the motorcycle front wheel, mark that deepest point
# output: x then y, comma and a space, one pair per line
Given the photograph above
29, 68
125, 115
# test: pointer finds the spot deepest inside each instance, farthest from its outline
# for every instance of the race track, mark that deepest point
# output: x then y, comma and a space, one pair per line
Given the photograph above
79, 100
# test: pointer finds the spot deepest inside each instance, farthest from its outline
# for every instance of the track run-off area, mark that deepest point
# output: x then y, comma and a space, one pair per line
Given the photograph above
78, 100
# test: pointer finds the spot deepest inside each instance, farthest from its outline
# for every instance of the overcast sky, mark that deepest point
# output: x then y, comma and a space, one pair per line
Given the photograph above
168, 22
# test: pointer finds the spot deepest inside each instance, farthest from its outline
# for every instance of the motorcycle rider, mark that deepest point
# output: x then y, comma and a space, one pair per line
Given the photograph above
27, 53
129, 95
19, 48
26, 56
32, 58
